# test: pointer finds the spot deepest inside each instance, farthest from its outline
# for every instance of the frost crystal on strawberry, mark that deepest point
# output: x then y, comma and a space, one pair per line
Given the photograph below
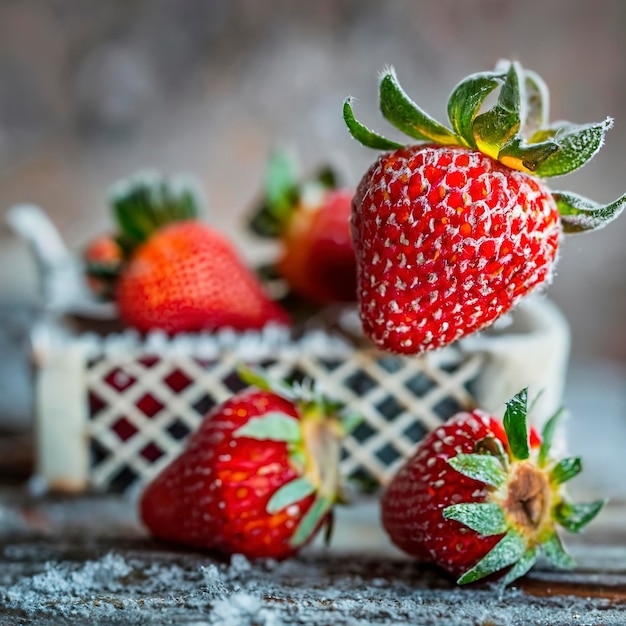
259, 477
451, 232
480, 497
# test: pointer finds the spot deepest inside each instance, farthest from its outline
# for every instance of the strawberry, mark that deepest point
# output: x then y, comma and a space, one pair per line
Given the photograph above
312, 223
480, 498
103, 258
182, 275
259, 477
451, 232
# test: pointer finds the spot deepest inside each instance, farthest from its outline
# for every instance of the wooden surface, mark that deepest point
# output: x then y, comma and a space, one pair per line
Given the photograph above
86, 560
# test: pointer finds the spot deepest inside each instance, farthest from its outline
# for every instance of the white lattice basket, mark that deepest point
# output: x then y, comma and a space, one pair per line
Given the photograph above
113, 411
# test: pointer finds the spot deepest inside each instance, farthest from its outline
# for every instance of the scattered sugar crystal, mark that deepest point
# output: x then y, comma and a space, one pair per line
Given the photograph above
239, 566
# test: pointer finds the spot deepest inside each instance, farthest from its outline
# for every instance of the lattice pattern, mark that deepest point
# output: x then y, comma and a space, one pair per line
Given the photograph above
143, 407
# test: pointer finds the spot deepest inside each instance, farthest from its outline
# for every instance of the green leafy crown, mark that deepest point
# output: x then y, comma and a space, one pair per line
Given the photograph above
515, 130
284, 193
147, 201
491, 464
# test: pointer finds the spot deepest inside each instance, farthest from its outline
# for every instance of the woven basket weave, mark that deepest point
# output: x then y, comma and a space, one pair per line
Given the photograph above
112, 412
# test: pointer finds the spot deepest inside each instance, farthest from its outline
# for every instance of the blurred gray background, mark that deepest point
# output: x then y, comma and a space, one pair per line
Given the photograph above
92, 91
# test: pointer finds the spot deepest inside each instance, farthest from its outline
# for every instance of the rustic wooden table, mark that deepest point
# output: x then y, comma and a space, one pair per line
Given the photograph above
86, 560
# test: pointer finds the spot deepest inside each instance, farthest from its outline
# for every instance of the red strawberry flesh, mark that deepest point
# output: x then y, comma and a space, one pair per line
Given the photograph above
447, 240
424, 482
187, 277
215, 494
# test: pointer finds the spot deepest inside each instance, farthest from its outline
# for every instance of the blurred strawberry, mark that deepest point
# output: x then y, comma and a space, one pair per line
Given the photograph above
312, 222
181, 275
103, 258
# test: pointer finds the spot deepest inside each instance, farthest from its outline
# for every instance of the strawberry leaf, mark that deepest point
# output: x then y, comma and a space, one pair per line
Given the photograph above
516, 153
547, 435
492, 445
501, 123
507, 551
579, 214
466, 100
574, 517
481, 467
350, 421
146, 202
281, 197
523, 566
515, 425
363, 134
273, 426
398, 109
103, 271
290, 493
555, 552
314, 516
537, 102
566, 470
486, 518
327, 178
280, 178
579, 144
255, 378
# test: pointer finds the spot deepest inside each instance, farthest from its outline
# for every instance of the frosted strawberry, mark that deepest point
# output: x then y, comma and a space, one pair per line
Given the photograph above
181, 275
259, 477
451, 232
481, 498
312, 222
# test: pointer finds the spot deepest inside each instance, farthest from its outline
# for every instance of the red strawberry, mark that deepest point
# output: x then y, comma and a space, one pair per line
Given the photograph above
182, 275
259, 477
479, 499
312, 221
452, 232
103, 258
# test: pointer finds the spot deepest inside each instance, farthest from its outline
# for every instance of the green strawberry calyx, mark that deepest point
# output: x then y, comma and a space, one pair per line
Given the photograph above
525, 501
148, 201
106, 272
515, 131
285, 195
313, 444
